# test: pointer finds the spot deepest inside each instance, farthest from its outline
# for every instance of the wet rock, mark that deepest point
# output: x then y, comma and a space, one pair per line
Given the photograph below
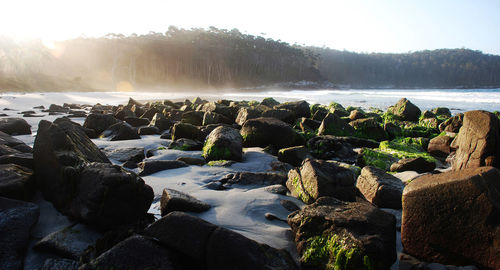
284, 115
124, 154
245, 114
192, 160
442, 111
185, 145
16, 182
453, 124
124, 112
356, 114
69, 242
406, 110
300, 108
215, 118
8, 140
148, 131
380, 188
334, 125
5, 150
21, 159
149, 114
440, 146
137, 122
269, 102
293, 155
276, 189
135, 252
330, 147
194, 118
188, 131
318, 178
120, 131
161, 122
478, 142
419, 165
451, 218
14, 126
393, 131
250, 178
149, 167
174, 200
60, 264
307, 124
223, 143
369, 128
262, 132
17, 218
99, 122
358, 235
289, 205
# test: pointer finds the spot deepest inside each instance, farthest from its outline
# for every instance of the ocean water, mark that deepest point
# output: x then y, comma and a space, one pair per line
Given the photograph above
457, 100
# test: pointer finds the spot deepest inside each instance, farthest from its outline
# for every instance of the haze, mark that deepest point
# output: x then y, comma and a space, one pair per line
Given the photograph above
361, 26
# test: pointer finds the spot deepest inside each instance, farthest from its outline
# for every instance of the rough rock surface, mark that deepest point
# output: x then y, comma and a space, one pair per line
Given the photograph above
380, 188
223, 143
419, 164
263, 131
188, 131
152, 166
250, 178
452, 217
173, 200
16, 182
440, 146
293, 155
14, 126
334, 125
99, 122
406, 110
121, 131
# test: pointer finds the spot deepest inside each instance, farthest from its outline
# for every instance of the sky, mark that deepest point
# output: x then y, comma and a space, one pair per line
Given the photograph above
355, 25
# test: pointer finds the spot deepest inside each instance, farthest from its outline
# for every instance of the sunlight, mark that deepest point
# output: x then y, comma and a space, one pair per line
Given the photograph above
124, 86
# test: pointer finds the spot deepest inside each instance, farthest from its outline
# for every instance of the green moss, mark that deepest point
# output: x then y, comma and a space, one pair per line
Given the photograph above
377, 158
308, 134
215, 152
221, 162
184, 147
389, 117
161, 148
402, 149
301, 194
253, 103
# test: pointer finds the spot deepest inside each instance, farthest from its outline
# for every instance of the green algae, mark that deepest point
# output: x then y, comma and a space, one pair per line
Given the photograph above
400, 149
215, 152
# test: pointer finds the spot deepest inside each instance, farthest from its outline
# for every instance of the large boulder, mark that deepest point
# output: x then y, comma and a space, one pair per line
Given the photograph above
16, 182
223, 143
174, 200
215, 247
14, 126
440, 146
215, 118
16, 220
300, 108
121, 131
369, 128
334, 125
73, 174
7, 140
406, 110
418, 164
380, 188
245, 114
284, 115
331, 147
194, 118
99, 122
161, 122
188, 131
452, 217
293, 155
318, 178
331, 234
478, 141
453, 124
263, 131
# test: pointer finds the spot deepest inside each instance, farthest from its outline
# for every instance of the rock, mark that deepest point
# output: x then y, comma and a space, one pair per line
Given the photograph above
250, 178
300, 108
120, 131
406, 110
269, 102
453, 124
356, 114
276, 189
334, 125
223, 143
173, 200
289, 205
318, 178
216, 247
99, 122
125, 113
6, 139
452, 217
194, 118
21, 159
135, 154
161, 122
188, 131
149, 167
262, 132
356, 235
219, 108
293, 155
16, 182
192, 160
428, 114
135, 252
185, 145
137, 122
418, 164
407, 262
245, 114
57, 108
5, 150
478, 141
14, 126
442, 111
149, 114
380, 188
284, 115
70, 242
17, 218
330, 147
393, 131
148, 131
307, 124
79, 180
215, 118
60, 264
369, 128
440, 146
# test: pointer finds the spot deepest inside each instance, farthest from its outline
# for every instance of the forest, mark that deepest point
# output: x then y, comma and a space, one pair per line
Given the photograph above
218, 58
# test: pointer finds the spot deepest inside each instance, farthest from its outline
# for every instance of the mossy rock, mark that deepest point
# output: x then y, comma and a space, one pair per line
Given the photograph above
401, 150
269, 102
368, 128
376, 158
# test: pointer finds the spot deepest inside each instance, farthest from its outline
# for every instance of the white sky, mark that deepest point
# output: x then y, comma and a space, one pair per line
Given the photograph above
355, 25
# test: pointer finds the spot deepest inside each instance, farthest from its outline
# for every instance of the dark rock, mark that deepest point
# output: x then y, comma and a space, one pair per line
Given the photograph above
16, 182
21, 159
41, 107
148, 131
452, 124
137, 122
188, 131
70, 242
419, 164
358, 235
318, 178
124, 154
442, 111
42, 115
121, 131
215, 118
194, 118
293, 155
262, 132
300, 108
428, 114
276, 189
307, 124
284, 115
124, 113
452, 217
60, 264
330, 147
132, 102
14, 126
135, 252
5, 150
149, 114
166, 136
161, 122
269, 102
407, 262
152, 166
192, 160
57, 108
77, 114
356, 114
334, 125
245, 114
289, 205
440, 146
406, 110
393, 131
17, 218
369, 128
99, 122
8, 140
173, 200
250, 178
186, 145
478, 142
319, 115
223, 143
129, 164
380, 188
